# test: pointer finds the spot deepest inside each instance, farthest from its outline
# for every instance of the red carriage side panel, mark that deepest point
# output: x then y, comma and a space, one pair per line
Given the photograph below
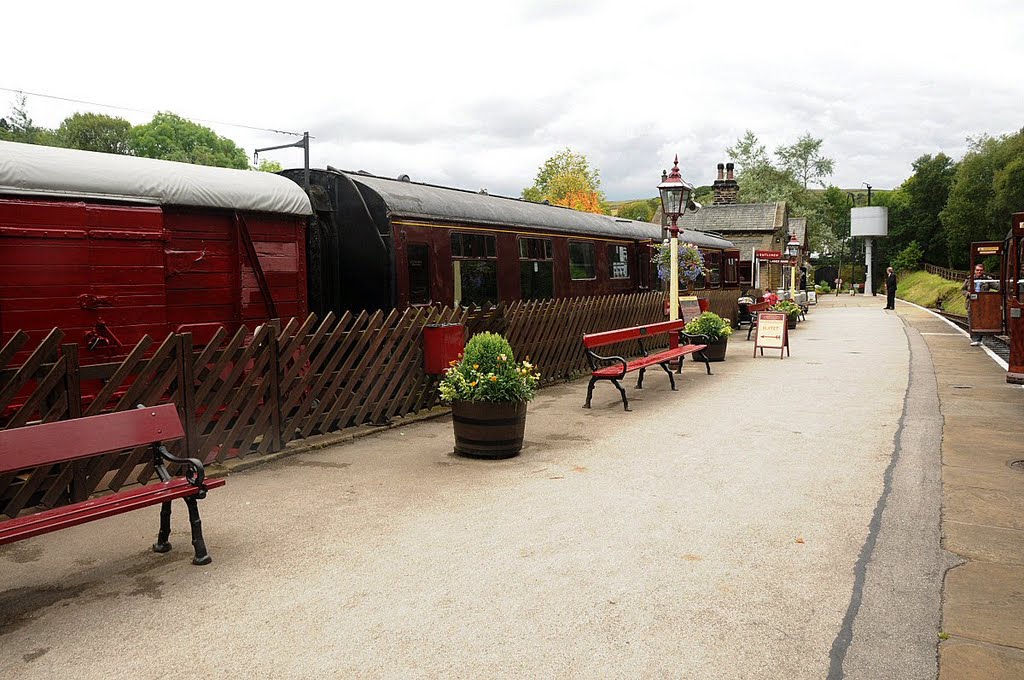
95, 271
278, 241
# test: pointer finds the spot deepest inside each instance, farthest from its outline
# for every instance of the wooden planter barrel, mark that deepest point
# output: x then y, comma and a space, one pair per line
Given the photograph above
485, 429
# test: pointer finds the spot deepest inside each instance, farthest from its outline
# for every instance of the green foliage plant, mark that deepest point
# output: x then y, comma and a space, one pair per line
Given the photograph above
488, 371
823, 288
709, 324
173, 138
690, 263
790, 308
909, 258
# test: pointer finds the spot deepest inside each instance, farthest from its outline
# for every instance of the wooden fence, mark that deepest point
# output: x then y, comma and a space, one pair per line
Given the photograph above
253, 392
948, 274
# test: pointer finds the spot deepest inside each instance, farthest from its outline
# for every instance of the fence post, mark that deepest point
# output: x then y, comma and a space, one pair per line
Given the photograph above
274, 370
187, 392
73, 390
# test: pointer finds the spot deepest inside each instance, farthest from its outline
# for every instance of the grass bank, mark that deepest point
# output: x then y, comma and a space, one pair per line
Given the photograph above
934, 292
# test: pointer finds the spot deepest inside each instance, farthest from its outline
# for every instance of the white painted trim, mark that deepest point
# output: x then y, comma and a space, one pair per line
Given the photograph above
992, 355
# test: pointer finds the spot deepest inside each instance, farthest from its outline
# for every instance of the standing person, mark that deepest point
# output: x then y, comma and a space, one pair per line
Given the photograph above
839, 284
890, 289
803, 278
979, 280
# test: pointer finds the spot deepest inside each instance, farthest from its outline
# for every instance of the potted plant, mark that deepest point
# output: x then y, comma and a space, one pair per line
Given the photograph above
791, 309
714, 329
488, 391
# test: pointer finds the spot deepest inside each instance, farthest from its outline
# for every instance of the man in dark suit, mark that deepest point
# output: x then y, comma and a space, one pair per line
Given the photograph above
890, 289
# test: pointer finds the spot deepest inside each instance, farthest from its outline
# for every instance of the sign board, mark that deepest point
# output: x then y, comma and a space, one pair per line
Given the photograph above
772, 332
689, 307
767, 254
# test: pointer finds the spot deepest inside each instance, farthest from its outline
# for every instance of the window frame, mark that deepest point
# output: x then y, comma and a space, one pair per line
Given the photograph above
624, 260
593, 259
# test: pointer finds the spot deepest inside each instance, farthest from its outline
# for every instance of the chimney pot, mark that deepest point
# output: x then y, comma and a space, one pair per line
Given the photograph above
721, 169
729, 170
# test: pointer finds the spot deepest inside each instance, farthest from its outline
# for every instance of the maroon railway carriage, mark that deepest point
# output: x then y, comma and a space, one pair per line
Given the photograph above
110, 248
380, 243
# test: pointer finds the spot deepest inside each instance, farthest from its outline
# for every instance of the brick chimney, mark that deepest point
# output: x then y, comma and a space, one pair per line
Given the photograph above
726, 189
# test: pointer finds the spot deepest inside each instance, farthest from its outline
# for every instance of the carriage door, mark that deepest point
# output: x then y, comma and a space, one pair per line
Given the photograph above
985, 305
1015, 299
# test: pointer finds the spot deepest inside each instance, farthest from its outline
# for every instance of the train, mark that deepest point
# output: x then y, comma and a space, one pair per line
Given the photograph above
111, 248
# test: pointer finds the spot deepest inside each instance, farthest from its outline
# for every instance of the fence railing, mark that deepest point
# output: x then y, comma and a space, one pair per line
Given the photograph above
946, 273
253, 392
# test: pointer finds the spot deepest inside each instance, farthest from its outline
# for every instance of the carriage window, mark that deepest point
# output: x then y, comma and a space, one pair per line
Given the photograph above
419, 274
713, 265
581, 260
746, 273
474, 269
536, 273
618, 261
730, 272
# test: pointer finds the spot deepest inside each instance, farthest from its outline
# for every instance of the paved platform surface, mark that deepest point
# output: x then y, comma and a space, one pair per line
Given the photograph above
779, 519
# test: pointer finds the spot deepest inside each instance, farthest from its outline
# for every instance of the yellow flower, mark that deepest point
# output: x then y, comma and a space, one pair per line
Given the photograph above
473, 384
494, 378
476, 366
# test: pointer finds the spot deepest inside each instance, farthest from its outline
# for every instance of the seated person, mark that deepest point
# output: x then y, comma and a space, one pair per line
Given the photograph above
770, 297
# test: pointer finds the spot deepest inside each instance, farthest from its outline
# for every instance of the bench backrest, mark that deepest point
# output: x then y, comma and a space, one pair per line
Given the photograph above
758, 307
64, 440
636, 332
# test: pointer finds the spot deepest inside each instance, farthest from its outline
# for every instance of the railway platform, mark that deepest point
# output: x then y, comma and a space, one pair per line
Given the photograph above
848, 511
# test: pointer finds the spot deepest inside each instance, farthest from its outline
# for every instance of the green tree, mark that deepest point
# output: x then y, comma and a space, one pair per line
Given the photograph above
927, 191
982, 193
19, 127
804, 161
567, 179
173, 138
269, 166
96, 132
908, 259
637, 210
760, 181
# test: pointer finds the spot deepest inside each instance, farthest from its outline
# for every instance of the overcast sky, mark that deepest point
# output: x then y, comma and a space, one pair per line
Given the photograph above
478, 95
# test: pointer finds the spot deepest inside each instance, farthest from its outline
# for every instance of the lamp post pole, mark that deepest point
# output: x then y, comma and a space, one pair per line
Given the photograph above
675, 194
793, 250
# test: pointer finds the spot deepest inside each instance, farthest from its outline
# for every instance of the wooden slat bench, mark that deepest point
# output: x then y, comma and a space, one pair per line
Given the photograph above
754, 309
614, 368
64, 441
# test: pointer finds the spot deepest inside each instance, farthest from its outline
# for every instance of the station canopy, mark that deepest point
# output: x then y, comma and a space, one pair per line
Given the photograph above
33, 170
429, 202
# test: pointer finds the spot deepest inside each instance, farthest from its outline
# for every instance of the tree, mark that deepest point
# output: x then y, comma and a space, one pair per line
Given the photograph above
637, 210
269, 166
760, 181
18, 125
96, 132
927, 191
804, 161
908, 259
173, 138
567, 179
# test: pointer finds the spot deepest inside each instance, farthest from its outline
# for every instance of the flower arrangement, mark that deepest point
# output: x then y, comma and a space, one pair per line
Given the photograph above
691, 261
791, 309
709, 324
487, 371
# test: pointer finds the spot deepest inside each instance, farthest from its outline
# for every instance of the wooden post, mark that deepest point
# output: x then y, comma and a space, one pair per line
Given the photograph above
187, 395
274, 371
73, 389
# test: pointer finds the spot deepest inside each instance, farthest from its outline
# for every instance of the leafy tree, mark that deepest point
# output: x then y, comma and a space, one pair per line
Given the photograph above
641, 211
982, 194
171, 137
269, 166
567, 179
908, 259
804, 161
926, 192
18, 125
760, 181
96, 132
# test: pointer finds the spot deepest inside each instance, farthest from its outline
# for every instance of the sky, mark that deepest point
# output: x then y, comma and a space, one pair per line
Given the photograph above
478, 95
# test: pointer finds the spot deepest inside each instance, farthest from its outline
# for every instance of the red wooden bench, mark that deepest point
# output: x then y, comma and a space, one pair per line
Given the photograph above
617, 367
71, 440
754, 309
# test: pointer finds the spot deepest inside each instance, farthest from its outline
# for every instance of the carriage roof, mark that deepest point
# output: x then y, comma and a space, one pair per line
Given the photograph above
32, 170
427, 201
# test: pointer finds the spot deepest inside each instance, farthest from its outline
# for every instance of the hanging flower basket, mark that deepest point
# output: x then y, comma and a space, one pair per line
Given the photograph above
691, 262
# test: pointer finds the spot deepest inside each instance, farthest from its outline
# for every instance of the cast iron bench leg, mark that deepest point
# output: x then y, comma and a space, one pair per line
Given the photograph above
198, 544
707, 364
622, 391
640, 380
590, 392
665, 367
161, 545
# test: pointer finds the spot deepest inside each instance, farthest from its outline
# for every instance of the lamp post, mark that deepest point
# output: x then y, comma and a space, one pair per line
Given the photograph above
792, 250
675, 194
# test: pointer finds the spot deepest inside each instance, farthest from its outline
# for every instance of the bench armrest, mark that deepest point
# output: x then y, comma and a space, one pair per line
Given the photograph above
595, 355
695, 339
195, 473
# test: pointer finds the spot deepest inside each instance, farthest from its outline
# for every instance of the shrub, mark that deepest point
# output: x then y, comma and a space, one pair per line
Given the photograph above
823, 288
709, 324
791, 309
908, 259
488, 371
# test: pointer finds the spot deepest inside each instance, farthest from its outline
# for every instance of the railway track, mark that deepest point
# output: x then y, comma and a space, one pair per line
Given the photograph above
997, 343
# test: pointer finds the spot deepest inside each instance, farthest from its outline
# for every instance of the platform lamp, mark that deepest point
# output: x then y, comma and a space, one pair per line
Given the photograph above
792, 250
675, 195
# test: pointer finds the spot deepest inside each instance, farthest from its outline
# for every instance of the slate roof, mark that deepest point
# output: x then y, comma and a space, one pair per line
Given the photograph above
734, 217
798, 226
